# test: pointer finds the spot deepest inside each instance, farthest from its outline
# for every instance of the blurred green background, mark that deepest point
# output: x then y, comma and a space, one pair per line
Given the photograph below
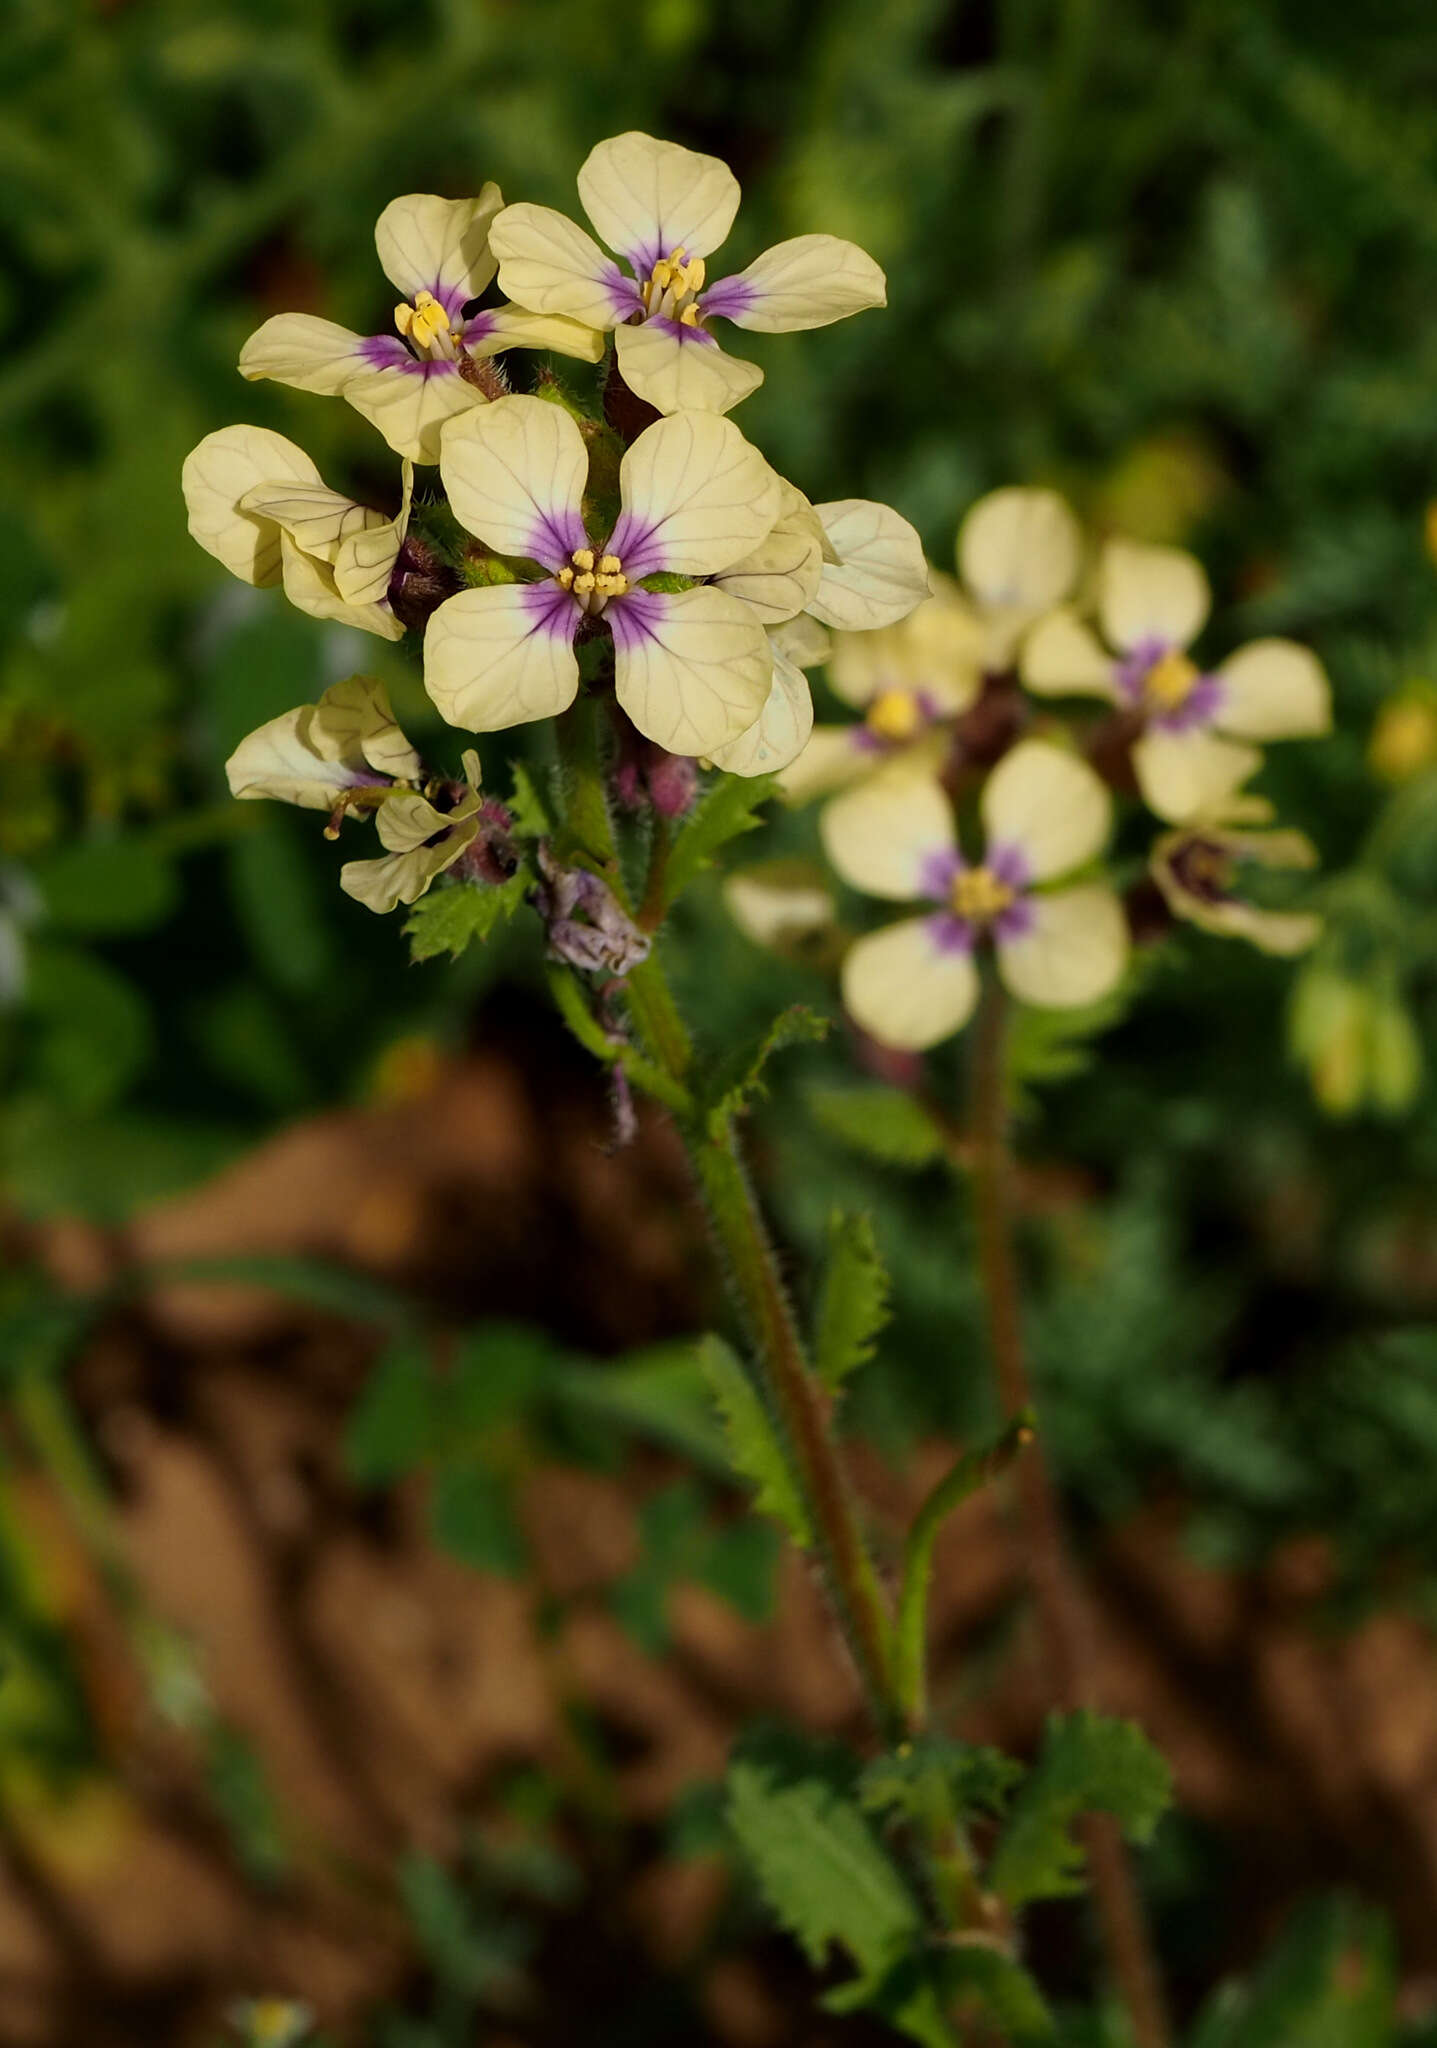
1178, 261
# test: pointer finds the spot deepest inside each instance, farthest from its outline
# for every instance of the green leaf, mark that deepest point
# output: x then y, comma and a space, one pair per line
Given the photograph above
741, 1075
395, 1424
498, 1371
101, 887
660, 1392
933, 1773
853, 1306
471, 1513
754, 1446
1330, 1982
449, 919
527, 807
1089, 1763
729, 807
980, 1982
885, 1123
92, 1027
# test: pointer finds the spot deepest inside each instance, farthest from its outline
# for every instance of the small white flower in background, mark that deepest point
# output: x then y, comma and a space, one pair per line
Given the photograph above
693, 668
437, 253
1045, 814
665, 210
1199, 869
1197, 727
258, 504
1018, 552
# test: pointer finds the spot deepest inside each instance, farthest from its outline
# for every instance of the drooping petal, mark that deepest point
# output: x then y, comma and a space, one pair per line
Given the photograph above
1190, 774
1273, 690
807, 282
834, 757
803, 640
548, 265
1018, 550
422, 843
693, 670
314, 755
781, 730
682, 369
355, 716
489, 332
1049, 805
315, 517
906, 988
880, 573
428, 244
1071, 949
410, 401
304, 351
648, 198
935, 656
1151, 594
310, 586
1063, 657
696, 498
364, 562
779, 579
514, 472
218, 473
1196, 870
883, 836
502, 655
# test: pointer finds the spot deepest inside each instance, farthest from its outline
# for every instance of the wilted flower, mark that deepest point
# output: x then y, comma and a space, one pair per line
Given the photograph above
1192, 750
258, 504
1199, 871
665, 210
436, 252
586, 927
693, 667
1045, 814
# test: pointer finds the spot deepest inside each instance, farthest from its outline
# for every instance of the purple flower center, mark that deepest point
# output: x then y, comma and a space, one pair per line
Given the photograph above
1170, 691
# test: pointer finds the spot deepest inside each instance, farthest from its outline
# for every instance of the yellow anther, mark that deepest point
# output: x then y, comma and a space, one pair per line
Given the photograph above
663, 275
695, 271
689, 317
566, 577
582, 558
977, 894
894, 715
610, 584
610, 564
583, 583
1169, 682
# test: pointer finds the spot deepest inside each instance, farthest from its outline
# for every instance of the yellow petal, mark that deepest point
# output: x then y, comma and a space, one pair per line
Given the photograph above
1152, 594
1049, 804
364, 563
682, 369
1274, 690
882, 835
807, 282
697, 498
312, 756
692, 670
428, 244
803, 640
937, 650
549, 265
512, 327
313, 515
779, 579
1018, 550
781, 730
880, 573
833, 758
514, 472
1074, 949
381, 885
310, 586
410, 406
649, 198
905, 989
502, 655
218, 473
303, 351
1185, 775
1063, 657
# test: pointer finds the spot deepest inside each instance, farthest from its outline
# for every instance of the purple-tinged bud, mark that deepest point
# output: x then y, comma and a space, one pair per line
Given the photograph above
645, 774
673, 783
421, 582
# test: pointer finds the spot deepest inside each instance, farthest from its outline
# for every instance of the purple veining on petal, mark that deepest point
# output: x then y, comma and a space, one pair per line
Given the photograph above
633, 617
479, 326
1129, 673
937, 872
642, 260
553, 609
555, 534
950, 934
1199, 707
623, 293
386, 352
1015, 922
635, 540
452, 297
866, 740
681, 330
728, 297
1006, 862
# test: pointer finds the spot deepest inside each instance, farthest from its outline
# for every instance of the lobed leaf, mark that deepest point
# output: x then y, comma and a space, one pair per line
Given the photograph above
853, 1306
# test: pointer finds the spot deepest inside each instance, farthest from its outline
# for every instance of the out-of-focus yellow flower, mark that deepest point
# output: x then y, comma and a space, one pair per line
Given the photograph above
1357, 1041
785, 905
1404, 737
1199, 867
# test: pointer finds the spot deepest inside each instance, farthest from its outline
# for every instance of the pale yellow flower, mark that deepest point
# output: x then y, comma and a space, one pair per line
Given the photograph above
258, 504
1199, 868
665, 210
1195, 746
1045, 815
1018, 555
437, 253
346, 750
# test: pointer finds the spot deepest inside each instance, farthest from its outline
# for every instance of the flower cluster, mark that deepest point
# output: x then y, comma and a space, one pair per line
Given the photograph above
957, 689
639, 547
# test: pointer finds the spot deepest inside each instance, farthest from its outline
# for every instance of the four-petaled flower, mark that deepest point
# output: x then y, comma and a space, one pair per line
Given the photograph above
665, 210
1195, 727
437, 253
1199, 869
1045, 814
693, 667
258, 504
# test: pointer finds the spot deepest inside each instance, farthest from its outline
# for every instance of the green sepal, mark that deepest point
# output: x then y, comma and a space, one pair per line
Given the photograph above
667, 582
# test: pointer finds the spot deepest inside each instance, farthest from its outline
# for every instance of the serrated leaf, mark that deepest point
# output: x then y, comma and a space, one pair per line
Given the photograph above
932, 1773
449, 920
527, 807
753, 1442
885, 1123
853, 1306
1089, 1763
725, 810
741, 1076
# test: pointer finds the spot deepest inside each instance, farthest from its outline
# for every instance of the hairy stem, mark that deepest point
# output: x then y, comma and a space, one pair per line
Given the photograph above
1060, 1599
